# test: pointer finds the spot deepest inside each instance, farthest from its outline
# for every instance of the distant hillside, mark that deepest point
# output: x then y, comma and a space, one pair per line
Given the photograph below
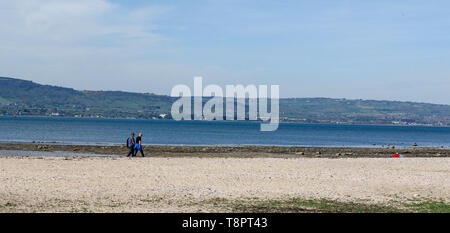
20, 97
363, 111
28, 98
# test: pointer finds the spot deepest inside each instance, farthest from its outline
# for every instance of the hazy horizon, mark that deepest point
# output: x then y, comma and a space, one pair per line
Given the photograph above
380, 50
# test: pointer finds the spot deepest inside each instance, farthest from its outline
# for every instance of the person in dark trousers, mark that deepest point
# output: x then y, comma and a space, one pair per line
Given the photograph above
138, 146
131, 142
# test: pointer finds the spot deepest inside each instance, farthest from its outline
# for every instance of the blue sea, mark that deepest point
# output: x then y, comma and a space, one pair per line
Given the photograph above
166, 132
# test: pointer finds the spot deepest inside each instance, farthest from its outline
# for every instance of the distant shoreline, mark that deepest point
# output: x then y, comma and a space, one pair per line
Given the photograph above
21, 97
257, 121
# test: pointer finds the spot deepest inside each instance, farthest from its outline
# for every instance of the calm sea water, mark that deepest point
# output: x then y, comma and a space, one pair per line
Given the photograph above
115, 131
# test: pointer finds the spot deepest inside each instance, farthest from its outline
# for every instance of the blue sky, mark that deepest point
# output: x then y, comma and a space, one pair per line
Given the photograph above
393, 50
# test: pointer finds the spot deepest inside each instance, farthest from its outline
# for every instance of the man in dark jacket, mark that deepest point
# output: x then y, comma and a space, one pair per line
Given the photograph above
131, 142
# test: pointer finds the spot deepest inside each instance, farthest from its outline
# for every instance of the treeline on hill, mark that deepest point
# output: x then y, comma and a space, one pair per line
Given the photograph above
21, 97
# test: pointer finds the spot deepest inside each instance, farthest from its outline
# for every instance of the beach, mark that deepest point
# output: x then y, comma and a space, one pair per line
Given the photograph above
222, 181
244, 151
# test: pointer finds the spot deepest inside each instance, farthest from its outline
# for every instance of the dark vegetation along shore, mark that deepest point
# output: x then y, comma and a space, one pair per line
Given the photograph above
26, 98
238, 151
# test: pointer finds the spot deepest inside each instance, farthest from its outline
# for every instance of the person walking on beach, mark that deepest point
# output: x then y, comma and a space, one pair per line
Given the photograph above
138, 146
131, 142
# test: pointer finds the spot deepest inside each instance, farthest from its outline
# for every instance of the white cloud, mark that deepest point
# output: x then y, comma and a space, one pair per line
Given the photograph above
73, 20
74, 42
94, 44
97, 44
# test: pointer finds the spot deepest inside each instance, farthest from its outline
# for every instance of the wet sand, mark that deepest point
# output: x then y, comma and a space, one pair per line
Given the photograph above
239, 151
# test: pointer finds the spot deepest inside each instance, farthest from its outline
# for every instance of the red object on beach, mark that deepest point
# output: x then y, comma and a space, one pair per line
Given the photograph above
396, 155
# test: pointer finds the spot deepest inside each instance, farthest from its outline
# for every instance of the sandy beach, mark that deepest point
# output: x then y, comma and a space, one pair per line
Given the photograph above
198, 184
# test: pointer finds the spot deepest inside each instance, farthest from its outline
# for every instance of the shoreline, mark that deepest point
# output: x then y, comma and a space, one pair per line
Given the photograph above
372, 146
244, 151
256, 121
222, 179
189, 184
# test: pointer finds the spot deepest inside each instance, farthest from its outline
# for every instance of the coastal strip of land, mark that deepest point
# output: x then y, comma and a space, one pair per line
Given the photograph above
237, 151
204, 182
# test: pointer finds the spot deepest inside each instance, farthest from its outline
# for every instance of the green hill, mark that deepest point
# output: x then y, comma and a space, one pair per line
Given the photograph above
28, 98
20, 97
363, 111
